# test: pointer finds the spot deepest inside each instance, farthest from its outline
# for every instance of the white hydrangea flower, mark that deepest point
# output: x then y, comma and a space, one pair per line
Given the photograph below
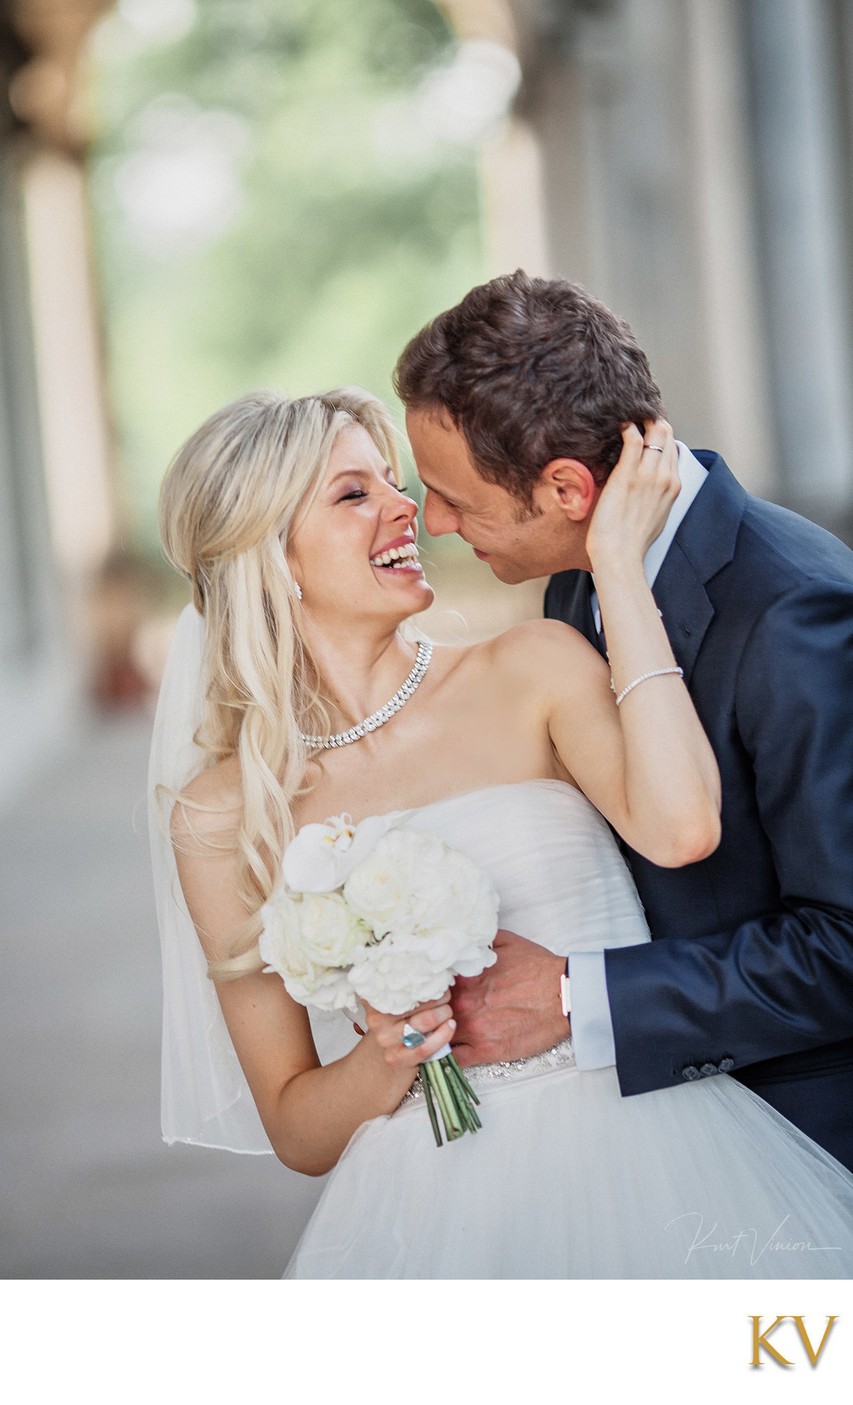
280, 942
452, 891
453, 951
393, 976
330, 930
309, 943
436, 912
382, 889
433, 910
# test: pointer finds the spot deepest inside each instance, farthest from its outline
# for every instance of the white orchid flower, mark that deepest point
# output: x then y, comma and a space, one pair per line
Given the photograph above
321, 857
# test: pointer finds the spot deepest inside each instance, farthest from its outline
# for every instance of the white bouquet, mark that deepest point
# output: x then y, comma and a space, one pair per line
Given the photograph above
388, 915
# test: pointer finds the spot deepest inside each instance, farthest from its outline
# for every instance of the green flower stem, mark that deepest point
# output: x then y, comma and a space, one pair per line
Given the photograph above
448, 1091
469, 1116
457, 1078
465, 1104
447, 1102
462, 1079
439, 1089
430, 1104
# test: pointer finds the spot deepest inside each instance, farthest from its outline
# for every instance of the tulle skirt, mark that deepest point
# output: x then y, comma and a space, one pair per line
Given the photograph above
567, 1179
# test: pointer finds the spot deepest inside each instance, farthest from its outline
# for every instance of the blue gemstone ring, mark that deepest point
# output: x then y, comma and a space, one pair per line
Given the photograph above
412, 1038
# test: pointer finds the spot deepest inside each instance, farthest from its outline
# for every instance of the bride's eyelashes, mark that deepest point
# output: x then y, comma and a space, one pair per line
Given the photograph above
358, 493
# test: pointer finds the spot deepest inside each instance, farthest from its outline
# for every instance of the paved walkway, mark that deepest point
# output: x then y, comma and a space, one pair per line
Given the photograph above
88, 1190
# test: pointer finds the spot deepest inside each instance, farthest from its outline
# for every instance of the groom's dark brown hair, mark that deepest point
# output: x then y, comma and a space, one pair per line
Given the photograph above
530, 369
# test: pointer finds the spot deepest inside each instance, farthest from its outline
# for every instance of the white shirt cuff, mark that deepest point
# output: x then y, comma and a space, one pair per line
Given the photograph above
592, 1026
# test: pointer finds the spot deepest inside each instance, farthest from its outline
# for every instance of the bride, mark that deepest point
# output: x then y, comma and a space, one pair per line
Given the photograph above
289, 519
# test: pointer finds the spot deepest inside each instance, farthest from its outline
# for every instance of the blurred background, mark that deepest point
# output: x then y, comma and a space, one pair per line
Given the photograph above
199, 197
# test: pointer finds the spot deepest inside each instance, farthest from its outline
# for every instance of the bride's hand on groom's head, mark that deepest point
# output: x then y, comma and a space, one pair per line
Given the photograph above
636, 499
512, 1009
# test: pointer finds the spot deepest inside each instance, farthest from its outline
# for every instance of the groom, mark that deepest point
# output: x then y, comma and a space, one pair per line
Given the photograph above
515, 402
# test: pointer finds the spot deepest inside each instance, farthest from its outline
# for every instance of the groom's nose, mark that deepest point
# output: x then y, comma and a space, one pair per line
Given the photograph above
439, 518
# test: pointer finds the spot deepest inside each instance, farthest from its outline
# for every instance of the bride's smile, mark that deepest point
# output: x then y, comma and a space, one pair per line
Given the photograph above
400, 555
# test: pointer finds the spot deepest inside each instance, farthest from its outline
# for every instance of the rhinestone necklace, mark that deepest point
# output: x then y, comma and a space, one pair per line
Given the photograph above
384, 714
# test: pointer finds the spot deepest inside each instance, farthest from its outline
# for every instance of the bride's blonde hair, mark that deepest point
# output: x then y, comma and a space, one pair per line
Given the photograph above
231, 499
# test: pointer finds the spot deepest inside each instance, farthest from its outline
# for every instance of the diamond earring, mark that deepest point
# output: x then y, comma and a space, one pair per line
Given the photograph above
298, 588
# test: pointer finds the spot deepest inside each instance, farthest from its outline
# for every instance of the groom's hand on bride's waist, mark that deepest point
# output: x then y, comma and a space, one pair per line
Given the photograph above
512, 1009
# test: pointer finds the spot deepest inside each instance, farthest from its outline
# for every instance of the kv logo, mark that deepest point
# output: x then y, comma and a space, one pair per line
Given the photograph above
760, 1340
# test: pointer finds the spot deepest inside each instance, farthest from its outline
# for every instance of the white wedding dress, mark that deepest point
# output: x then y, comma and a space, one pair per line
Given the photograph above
567, 1179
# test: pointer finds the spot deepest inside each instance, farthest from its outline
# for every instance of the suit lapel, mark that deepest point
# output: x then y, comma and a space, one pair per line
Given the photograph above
703, 545
685, 607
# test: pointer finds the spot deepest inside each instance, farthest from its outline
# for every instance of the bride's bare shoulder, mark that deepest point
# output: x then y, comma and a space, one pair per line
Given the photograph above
539, 644
210, 803
533, 662
540, 660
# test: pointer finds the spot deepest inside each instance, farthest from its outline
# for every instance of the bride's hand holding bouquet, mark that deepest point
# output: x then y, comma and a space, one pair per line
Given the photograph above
388, 917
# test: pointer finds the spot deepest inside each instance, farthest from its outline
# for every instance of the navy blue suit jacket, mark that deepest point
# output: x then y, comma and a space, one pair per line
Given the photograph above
751, 963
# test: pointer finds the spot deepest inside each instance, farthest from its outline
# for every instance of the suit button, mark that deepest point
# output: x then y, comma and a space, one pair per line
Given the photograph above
726, 1065
707, 1070
691, 1071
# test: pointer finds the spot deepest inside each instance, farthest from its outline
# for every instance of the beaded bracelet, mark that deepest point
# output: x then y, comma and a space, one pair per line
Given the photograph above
655, 673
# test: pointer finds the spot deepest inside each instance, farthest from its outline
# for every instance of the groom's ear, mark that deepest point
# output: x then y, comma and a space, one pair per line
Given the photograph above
569, 485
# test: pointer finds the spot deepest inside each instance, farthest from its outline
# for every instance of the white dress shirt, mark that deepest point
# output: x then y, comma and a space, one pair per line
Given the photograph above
592, 1025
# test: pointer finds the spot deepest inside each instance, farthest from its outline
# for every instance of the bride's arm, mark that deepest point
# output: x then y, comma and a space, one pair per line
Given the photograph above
646, 764
309, 1111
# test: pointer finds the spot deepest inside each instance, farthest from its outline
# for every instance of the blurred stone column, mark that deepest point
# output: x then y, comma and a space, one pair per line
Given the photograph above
801, 175
57, 495
70, 379
516, 233
642, 120
515, 225
35, 696
695, 163
728, 253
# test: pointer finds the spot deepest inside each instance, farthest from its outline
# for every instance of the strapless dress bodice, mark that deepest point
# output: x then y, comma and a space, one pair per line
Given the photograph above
559, 873
560, 877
